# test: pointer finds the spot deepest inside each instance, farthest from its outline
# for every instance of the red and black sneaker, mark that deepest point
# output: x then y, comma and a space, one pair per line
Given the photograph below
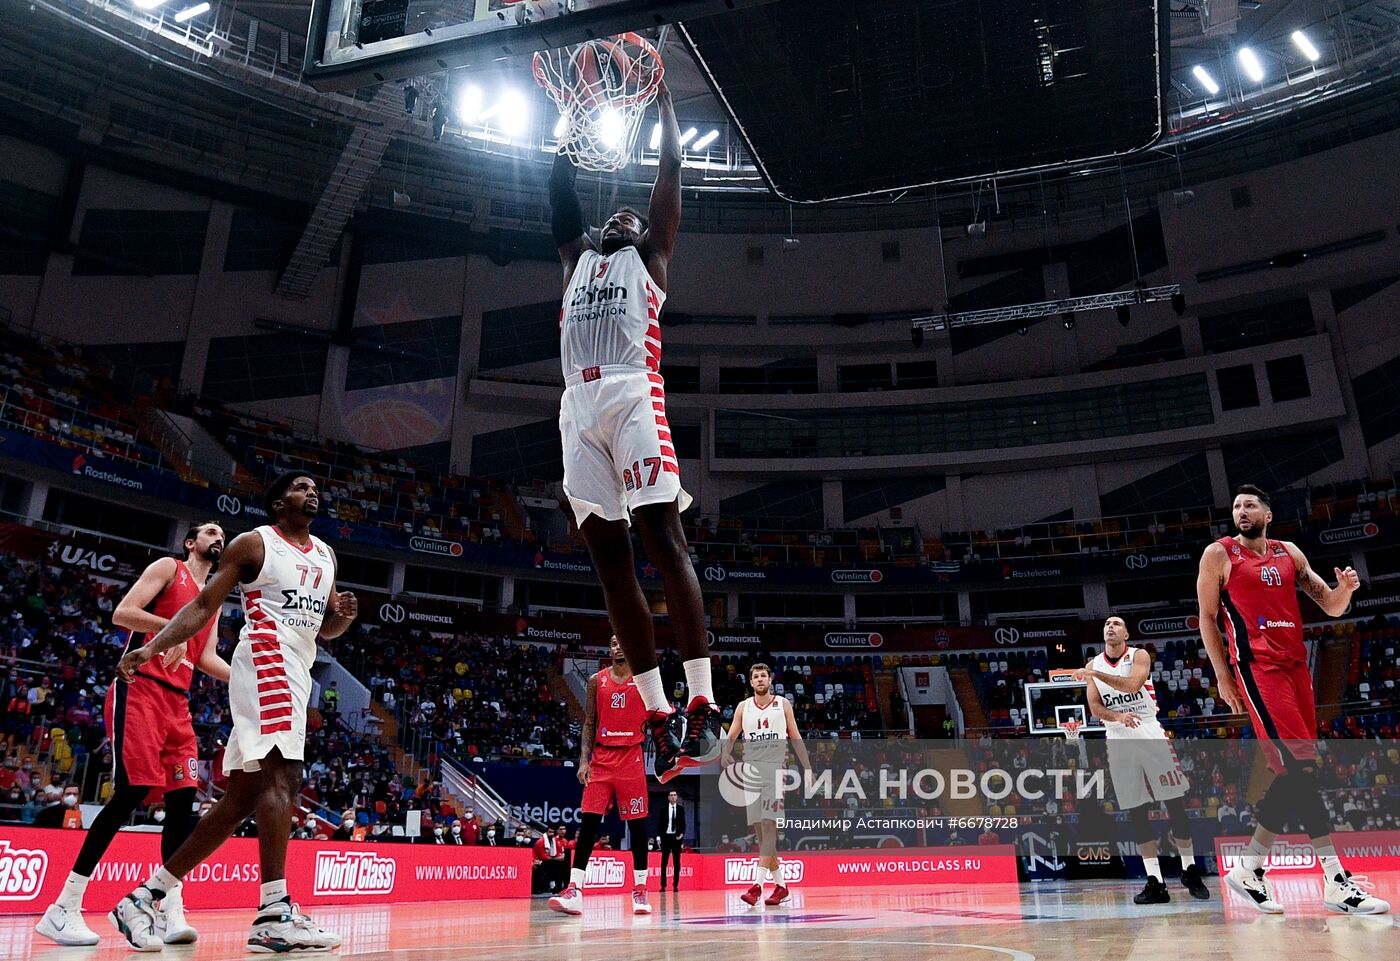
664, 730
702, 736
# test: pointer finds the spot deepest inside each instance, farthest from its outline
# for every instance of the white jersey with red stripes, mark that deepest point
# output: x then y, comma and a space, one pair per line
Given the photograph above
270, 672
1142, 702
285, 604
611, 315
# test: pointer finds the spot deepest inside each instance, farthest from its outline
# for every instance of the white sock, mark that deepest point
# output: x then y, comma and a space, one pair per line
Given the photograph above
576, 876
653, 694
71, 897
1332, 866
639, 877
272, 892
1254, 855
697, 679
768, 874
1186, 850
160, 882
1154, 868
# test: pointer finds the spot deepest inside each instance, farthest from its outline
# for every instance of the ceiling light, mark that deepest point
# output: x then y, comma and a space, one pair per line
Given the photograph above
611, 129
1301, 41
1205, 80
1253, 69
469, 104
146, 4
515, 113
689, 134
656, 137
189, 13
1067, 319
560, 126
706, 140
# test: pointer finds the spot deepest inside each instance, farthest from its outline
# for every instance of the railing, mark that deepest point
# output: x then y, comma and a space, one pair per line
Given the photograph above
15, 414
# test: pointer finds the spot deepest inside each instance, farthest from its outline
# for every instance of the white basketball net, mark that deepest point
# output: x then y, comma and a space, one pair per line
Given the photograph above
602, 89
1071, 730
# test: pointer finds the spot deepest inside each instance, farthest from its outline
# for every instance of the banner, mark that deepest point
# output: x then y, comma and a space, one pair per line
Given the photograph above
34, 863
1360, 851
1156, 561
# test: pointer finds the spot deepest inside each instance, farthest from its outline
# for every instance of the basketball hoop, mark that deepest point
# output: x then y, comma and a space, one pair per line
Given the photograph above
1070, 729
602, 89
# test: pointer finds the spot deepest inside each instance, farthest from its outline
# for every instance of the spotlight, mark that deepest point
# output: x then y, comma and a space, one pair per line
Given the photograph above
1067, 319
146, 4
189, 13
410, 98
469, 104
1124, 316
1249, 60
515, 113
687, 135
560, 126
1179, 304
918, 337
1205, 80
612, 128
706, 140
1305, 46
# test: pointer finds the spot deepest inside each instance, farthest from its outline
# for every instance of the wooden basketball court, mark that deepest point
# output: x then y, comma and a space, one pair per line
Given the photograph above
1058, 921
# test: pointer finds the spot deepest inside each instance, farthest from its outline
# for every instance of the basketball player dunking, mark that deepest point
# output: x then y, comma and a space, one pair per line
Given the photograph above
289, 598
768, 726
1254, 582
610, 765
1141, 761
619, 459
152, 733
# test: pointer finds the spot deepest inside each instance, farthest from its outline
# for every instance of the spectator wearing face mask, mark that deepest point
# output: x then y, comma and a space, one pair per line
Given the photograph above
346, 831
493, 836
471, 828
438, 835
60, 809
457, 836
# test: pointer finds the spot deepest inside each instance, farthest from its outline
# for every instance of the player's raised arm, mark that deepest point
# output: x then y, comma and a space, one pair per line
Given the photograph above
1334, 601
1210, 580
664, 213
131, 613
799, 747
590, 729
242, 561
736, 727
565, 214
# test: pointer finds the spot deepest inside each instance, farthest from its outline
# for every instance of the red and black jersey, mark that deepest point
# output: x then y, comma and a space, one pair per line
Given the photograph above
180, 591
1259, 604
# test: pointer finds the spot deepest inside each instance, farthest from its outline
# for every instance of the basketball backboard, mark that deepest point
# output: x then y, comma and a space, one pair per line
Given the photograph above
355, 43
1051, 703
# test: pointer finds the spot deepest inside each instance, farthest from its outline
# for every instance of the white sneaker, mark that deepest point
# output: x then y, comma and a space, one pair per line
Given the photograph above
135, 917
640, 904
568, 901
1349, 893
172, 926
62, 926
281, 927
1253, 887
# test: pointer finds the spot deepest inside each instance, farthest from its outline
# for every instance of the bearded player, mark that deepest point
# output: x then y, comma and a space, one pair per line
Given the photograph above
1141, 761
1253, 581
152, 733
767, 723
619, 458
610, 765
288, 578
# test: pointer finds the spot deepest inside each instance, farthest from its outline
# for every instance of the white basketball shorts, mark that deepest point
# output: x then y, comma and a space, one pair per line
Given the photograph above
267, 696
618, 453
1143, 765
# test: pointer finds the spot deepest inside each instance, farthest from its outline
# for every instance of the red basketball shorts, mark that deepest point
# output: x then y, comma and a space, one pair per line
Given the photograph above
616, 773
152, 733
1279, 697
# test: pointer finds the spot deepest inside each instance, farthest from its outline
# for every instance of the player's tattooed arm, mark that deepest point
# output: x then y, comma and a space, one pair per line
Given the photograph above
590, 728
241, 562
1334, 601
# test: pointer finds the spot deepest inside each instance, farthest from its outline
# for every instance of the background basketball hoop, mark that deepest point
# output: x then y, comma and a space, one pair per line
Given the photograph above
1070, 729
602, 89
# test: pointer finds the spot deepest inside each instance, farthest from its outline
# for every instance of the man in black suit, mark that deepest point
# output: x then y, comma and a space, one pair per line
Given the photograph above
671, 830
